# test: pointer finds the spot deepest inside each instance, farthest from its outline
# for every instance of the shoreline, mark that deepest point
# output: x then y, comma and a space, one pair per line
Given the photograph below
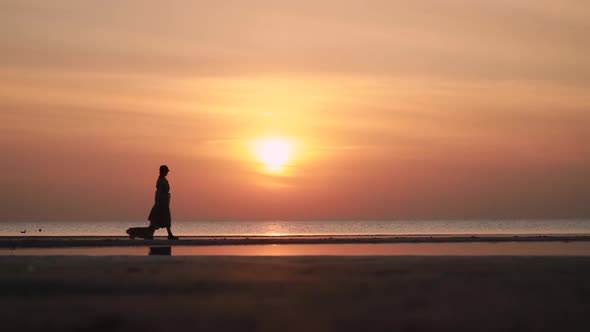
10, 242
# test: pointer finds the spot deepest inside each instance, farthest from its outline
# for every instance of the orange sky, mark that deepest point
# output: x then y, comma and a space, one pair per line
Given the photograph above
421, 109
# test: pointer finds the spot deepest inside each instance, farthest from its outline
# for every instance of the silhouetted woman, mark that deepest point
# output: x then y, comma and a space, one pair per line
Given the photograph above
160, 215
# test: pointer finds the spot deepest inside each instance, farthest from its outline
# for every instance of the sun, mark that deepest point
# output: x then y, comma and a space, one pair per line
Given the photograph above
273, 153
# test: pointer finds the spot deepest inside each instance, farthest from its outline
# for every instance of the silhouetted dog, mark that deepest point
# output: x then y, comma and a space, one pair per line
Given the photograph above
141, 232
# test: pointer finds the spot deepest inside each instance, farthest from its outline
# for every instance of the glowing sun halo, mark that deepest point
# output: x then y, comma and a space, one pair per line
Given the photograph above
274, 153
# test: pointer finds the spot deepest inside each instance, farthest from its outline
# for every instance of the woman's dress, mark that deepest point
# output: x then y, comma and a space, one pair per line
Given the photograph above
160, 215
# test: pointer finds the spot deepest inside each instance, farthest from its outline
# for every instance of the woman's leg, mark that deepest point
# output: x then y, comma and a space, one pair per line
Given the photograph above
170, 235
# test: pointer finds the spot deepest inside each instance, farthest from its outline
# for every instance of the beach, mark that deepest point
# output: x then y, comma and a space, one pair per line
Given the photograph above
295, 166
120, 241
395, 293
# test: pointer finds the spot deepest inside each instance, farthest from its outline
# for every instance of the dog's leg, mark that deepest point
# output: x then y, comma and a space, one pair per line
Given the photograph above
130, 233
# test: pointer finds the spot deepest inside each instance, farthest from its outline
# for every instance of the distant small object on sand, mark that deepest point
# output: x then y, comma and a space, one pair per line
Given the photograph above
39, 229
23, 232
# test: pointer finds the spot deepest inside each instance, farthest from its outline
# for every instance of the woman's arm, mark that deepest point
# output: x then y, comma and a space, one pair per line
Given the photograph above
162, 192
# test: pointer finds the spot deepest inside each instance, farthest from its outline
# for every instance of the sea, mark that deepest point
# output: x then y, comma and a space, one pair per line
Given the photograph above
309, 228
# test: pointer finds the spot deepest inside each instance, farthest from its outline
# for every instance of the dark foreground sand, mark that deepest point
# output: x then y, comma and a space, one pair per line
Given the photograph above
295, 293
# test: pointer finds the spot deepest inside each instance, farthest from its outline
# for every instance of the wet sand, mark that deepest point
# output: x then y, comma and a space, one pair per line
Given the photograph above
295, 293
119, 241
522, 248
